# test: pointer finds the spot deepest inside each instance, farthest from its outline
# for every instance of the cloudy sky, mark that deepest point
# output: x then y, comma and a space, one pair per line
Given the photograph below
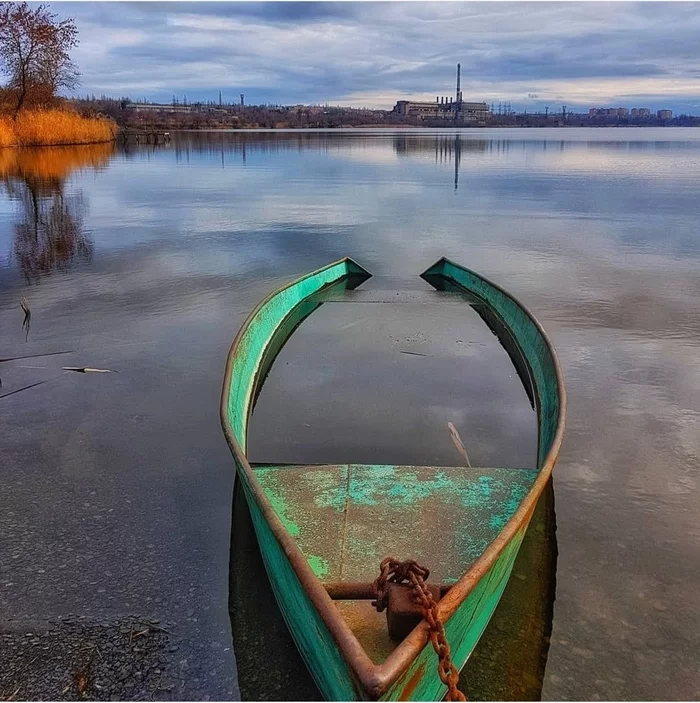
373, 53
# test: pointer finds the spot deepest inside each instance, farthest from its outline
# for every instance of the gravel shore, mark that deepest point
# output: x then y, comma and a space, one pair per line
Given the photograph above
77, 659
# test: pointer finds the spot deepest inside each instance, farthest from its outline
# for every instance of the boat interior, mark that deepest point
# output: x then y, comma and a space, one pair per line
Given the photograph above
346, 517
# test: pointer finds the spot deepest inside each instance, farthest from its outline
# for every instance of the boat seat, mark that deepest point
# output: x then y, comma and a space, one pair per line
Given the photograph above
346, 518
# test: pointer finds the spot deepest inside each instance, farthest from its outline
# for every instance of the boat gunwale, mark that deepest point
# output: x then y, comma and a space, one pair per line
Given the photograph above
376, 679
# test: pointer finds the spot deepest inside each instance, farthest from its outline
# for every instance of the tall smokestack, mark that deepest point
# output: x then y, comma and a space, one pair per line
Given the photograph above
459, 71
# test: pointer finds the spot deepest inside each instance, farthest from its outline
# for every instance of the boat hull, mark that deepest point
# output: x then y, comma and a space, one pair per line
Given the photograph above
337, 661
316, 644
324, 661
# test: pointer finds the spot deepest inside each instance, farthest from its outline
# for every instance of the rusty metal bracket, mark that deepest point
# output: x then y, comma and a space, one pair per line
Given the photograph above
351, 590
403, 613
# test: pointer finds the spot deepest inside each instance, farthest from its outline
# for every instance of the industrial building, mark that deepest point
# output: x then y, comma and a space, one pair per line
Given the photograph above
445, 108
609, 112
155, 107
635, 112
171, 108
664, 114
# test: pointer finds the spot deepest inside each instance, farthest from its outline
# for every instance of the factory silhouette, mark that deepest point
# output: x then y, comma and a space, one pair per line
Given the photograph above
479, 113
446, 108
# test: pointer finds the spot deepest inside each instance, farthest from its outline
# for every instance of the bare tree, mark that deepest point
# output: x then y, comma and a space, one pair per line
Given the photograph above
34, 53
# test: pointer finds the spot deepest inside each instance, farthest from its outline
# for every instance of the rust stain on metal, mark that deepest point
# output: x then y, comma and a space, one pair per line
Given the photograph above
349, 590
411, 684
408, 606
403, 613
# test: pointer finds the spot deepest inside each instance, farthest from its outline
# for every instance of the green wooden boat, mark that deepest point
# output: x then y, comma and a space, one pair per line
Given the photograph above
322, 529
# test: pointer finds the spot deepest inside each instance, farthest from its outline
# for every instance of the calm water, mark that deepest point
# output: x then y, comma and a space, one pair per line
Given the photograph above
117, 487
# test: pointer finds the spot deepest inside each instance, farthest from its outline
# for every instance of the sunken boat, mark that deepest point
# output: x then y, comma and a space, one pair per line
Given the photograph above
401, 626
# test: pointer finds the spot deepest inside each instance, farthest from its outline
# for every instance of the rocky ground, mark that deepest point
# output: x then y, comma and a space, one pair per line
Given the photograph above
76, 659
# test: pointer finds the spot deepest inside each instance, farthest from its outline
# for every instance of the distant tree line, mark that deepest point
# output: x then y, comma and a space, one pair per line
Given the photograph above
213, 116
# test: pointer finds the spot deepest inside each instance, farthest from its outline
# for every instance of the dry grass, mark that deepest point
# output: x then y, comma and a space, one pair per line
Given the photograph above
54, 127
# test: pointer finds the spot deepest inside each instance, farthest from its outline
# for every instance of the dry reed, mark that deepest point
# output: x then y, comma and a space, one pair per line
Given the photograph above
7, 132
54, 127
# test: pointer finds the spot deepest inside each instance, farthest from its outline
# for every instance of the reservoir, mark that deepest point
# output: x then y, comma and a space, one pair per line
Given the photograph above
143, 261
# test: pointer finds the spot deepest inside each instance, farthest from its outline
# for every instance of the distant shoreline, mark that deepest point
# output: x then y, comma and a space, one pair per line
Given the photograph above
403, 127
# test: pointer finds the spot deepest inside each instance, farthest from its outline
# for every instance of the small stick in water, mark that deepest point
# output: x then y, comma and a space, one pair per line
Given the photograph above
86, 369
457, 441
27, 322
6, 395
33, 356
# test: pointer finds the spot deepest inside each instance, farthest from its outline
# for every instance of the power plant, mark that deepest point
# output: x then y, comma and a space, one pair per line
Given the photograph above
445, 108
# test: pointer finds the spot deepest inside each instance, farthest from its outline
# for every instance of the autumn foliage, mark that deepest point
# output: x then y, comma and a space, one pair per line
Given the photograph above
35, 60
35, 53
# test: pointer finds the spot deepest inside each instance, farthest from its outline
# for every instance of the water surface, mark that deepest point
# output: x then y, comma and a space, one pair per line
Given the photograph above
117, 486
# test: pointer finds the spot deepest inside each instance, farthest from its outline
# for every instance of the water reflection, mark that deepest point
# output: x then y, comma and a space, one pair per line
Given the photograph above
439, 145
49, 233
446, 148
474, 151
596, 230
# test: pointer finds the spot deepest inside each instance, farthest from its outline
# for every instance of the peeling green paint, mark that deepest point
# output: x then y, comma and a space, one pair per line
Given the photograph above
314, 641
362, 491
330, 493
485, 485
318, 564
352, 516
517, 493
278, 502
371, 485
463, 630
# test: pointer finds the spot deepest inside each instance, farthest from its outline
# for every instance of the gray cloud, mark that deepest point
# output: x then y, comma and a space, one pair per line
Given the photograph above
374, 53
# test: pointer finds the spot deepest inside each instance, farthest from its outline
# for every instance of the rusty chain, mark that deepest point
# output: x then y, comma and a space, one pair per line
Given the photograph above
395, 571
